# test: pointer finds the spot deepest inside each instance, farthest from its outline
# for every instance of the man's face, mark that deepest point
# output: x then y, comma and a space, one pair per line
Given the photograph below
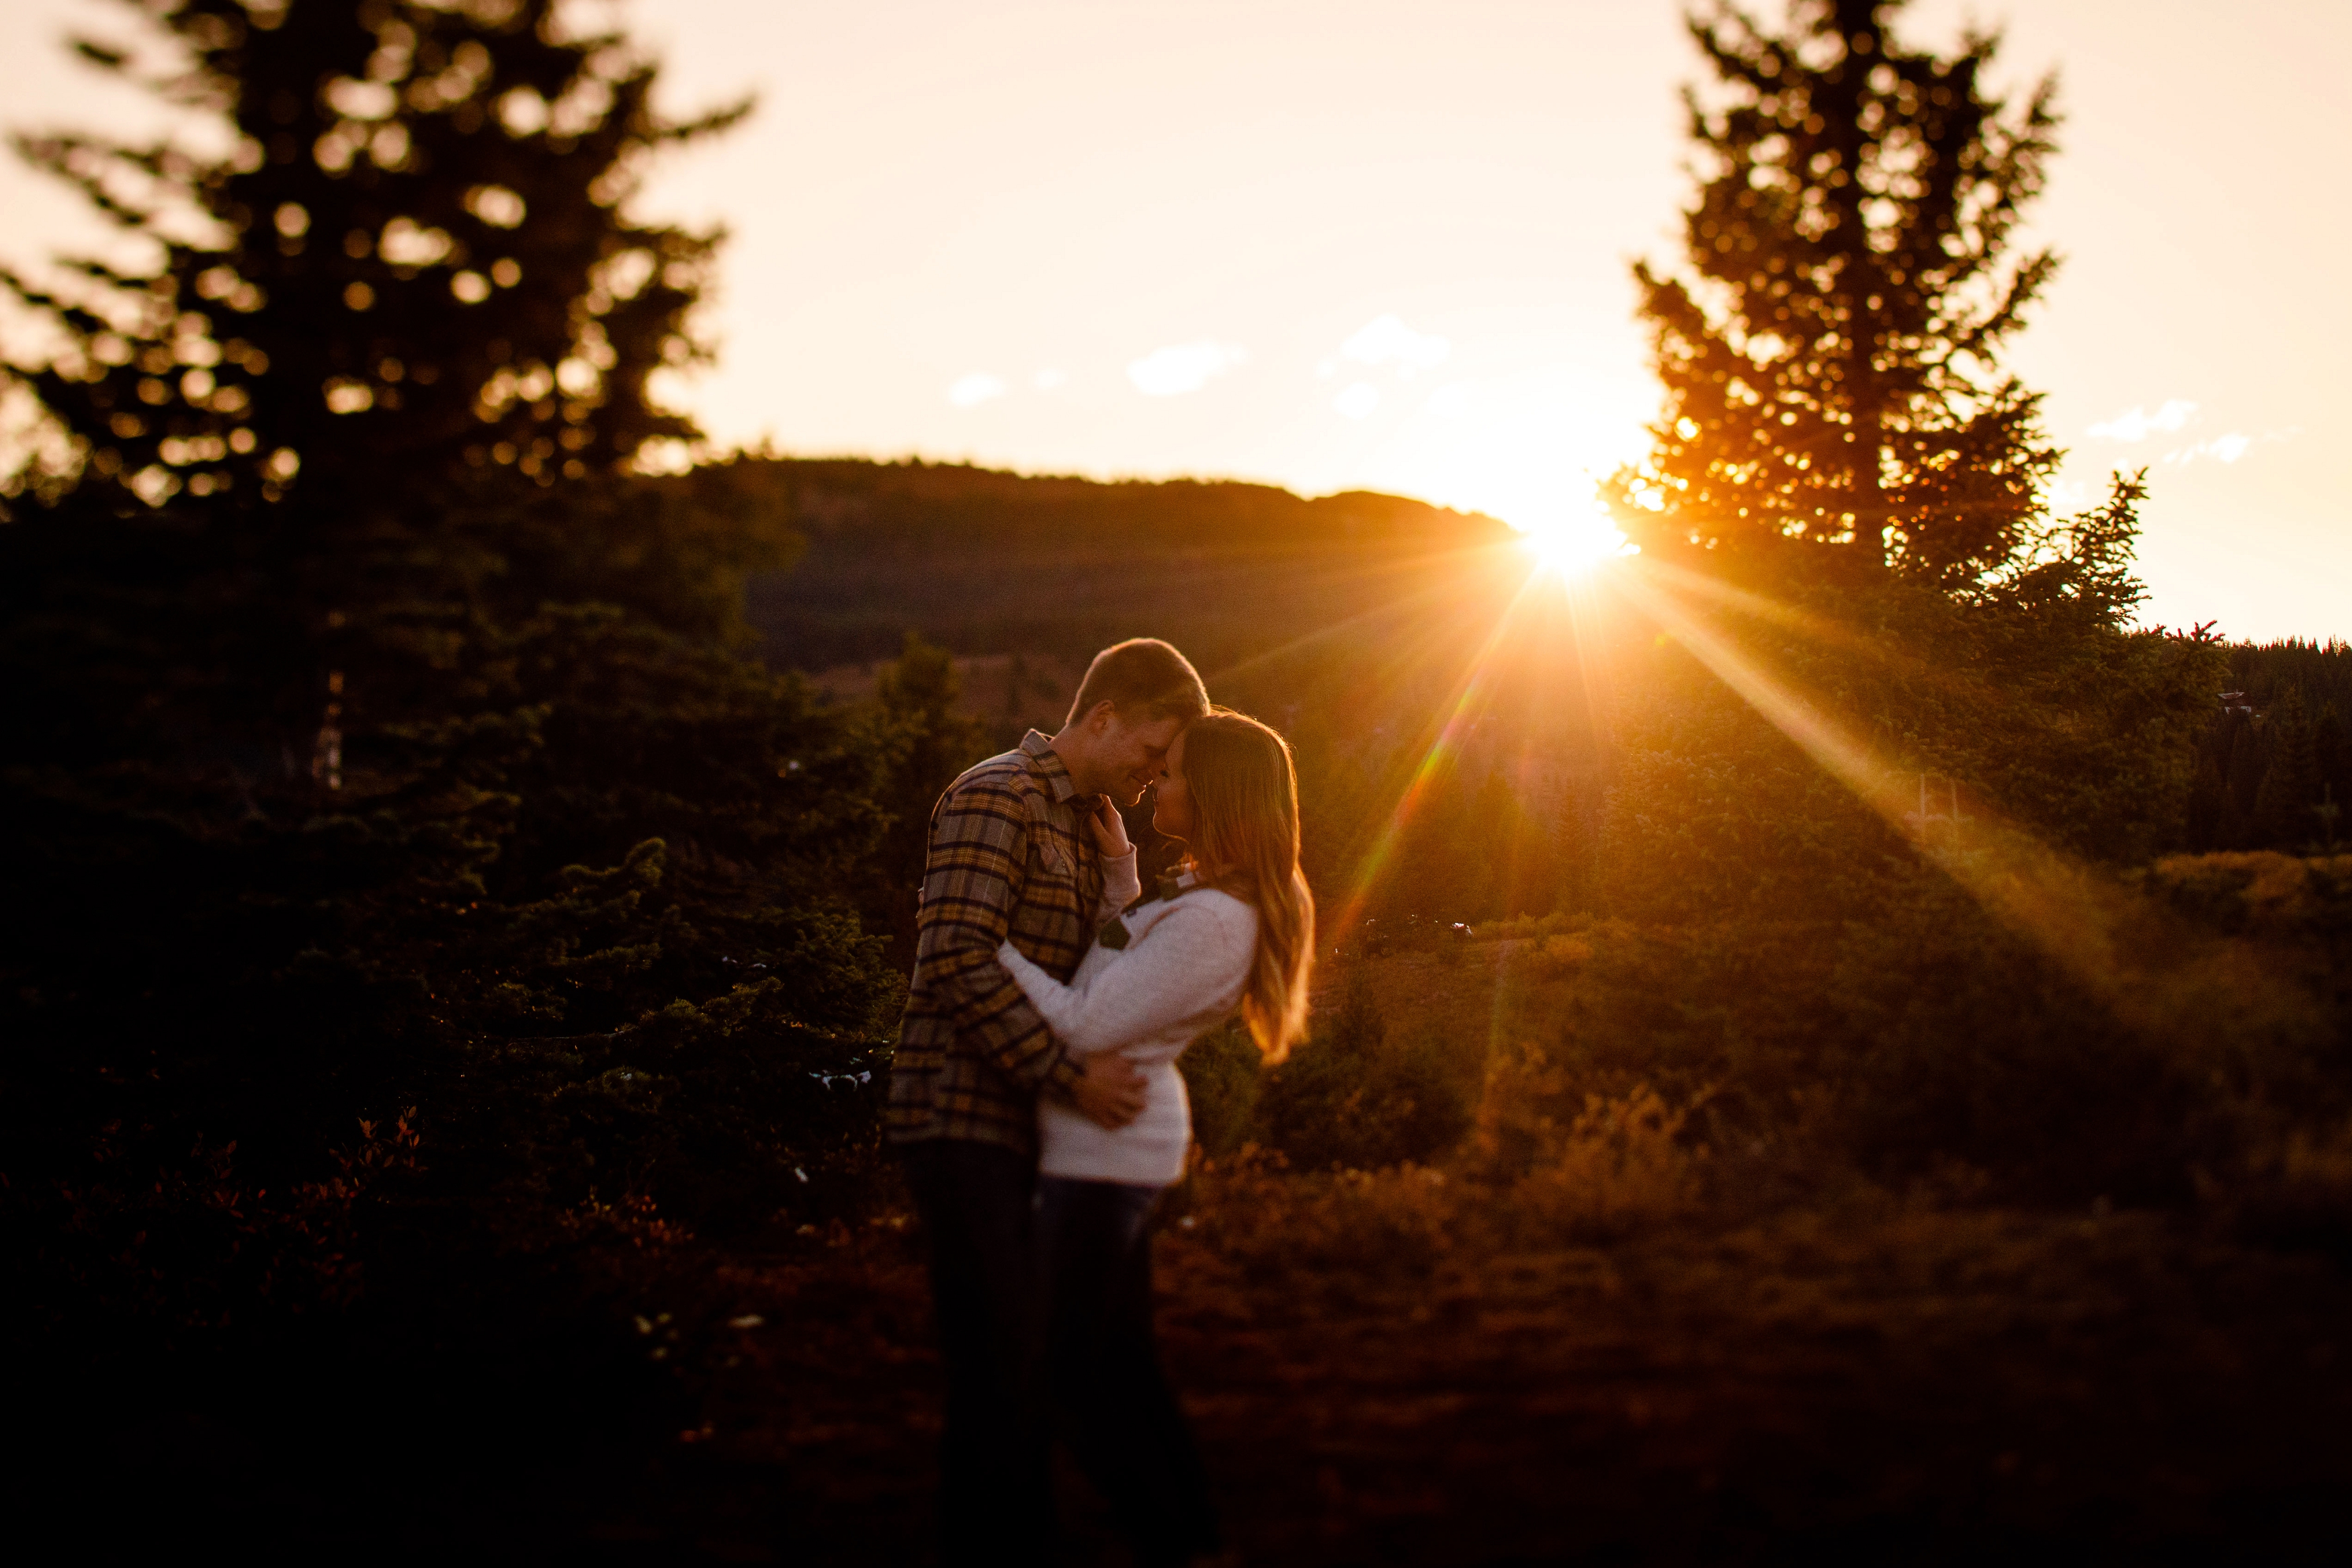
1131, 754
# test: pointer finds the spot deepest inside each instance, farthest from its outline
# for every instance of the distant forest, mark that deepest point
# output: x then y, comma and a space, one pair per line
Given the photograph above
989, 562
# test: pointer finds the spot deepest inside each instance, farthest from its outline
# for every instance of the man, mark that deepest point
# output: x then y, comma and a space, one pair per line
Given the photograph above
1010, 856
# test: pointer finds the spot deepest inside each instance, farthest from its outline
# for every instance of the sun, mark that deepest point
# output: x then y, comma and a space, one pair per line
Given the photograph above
1575, 544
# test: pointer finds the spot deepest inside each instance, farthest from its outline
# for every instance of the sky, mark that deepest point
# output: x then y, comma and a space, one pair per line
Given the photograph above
1385, 245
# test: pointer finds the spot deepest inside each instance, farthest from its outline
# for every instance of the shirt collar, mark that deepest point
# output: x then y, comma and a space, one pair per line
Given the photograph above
1047, 765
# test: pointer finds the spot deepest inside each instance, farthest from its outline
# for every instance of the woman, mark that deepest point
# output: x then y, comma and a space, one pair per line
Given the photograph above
1235, 928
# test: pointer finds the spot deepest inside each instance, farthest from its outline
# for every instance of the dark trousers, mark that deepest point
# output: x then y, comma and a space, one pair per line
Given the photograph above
976, 1200
1102, 1364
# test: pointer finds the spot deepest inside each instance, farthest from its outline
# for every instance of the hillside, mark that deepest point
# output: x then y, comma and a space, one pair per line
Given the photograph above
989, 562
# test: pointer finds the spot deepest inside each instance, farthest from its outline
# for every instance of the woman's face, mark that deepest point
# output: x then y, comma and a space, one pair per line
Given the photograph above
1171, 801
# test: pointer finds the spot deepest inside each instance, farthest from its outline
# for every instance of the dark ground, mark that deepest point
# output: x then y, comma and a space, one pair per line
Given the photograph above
1889, 1386
1407, 1380
1903, 1387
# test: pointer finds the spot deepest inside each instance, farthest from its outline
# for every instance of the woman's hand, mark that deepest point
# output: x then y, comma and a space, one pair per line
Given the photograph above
1109, 829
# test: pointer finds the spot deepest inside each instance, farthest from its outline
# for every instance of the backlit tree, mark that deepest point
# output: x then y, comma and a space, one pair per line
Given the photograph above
412, 259
1828, 347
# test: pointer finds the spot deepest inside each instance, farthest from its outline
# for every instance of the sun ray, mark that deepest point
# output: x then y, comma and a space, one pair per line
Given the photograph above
1396, 608
1469, 691
2060, 903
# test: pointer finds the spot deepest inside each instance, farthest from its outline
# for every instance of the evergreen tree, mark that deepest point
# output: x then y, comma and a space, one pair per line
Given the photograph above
2205, 800
1829, 351
414, 258
406, 300
922, 742
2292, 785
2250, 753
2333, 755
339, 783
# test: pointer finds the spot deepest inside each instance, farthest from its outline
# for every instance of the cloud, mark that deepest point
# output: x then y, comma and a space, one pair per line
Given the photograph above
975, 389
2069, 495
1385, 340
1047, 379
2227, 448
1359, 400
2137, 424
1184, 366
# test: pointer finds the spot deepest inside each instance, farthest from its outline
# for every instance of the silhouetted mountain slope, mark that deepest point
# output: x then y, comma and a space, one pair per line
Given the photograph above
989, 562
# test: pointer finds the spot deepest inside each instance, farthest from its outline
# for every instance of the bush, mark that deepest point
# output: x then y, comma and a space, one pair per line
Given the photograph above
1295, 1227
2079, 733
1349, 1098
1223, 1080
1620, 1166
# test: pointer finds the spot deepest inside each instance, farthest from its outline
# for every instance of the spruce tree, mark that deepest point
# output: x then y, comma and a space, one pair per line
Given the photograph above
338, 780
2293, 785
1834, 403
2333, 755
414, 259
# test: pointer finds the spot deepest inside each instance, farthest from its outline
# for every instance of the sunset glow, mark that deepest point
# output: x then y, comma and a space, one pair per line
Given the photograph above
1573, 545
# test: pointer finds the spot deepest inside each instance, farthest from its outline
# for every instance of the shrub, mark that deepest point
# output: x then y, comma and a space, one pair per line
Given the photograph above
2078, 732
1619, 1166
1223, 1080
1280, 1225
1350, 1098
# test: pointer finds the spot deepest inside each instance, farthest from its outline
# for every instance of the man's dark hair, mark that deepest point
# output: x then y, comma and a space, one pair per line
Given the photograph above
1143, 679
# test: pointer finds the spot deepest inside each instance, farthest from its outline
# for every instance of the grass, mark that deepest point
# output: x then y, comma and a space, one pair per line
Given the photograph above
1584, 1333
1623, 1317
1389, 1367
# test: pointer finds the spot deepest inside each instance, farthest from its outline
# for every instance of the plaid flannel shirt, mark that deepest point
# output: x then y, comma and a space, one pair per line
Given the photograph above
1009, 856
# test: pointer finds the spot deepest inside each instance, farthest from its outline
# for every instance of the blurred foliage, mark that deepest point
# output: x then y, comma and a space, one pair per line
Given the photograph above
409, 263
1223, 1081
418, 779
1351, 1096
2275, 766
2177, 1039
919, 742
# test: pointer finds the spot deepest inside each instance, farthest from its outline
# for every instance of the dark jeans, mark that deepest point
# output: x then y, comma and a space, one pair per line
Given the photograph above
976, 1203
1102, 1364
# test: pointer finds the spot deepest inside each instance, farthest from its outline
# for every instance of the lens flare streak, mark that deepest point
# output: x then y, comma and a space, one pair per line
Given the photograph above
1469, 696
2058, 903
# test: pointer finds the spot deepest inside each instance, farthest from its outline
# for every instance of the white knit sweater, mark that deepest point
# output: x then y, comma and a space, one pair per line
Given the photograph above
1182, 972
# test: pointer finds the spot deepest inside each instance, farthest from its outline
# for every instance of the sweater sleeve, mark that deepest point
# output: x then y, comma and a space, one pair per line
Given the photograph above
1120, 885
1193, 962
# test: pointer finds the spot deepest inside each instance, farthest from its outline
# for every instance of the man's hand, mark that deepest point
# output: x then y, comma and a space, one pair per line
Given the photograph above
1108, 828
1109, 1089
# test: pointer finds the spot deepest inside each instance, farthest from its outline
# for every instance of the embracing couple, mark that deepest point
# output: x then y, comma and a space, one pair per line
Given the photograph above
1035, 1098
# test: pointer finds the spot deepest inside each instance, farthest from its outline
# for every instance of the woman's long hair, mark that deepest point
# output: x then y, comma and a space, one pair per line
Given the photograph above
1245, 830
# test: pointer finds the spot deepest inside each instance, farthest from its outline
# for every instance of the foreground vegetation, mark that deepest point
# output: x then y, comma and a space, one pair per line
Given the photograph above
1596, 1318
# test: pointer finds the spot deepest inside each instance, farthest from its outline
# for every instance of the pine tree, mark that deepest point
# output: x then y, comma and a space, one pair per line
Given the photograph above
1833, 400
338, 783
922, 742
2249, 758
2292, 785
368, 402
2333, 755
412, 260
